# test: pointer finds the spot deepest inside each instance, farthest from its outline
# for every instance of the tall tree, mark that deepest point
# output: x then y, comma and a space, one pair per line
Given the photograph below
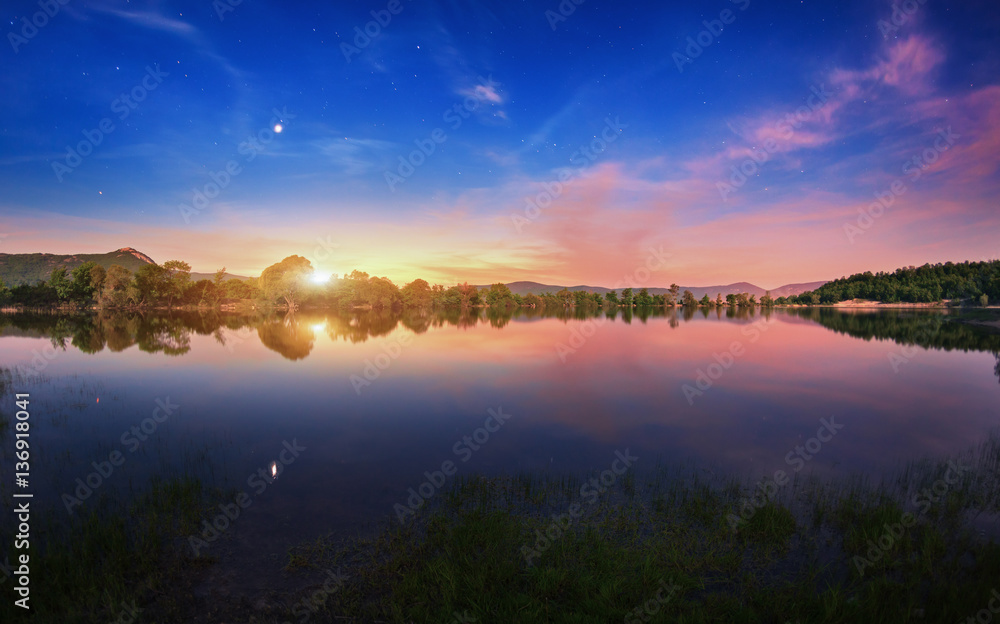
499, 295
286, 279
566, 296
178, 276
468, 294
689, 300
151, 285
83, 278
218, 285
416, 294
97, 277
59, 282
114, 287
643, 299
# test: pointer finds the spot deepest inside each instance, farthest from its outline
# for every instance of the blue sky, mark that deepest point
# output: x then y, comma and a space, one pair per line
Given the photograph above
508, 98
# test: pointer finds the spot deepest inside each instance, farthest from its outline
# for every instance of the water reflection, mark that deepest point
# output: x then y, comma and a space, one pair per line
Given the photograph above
290, 336
621, 388
293, 335
928, 330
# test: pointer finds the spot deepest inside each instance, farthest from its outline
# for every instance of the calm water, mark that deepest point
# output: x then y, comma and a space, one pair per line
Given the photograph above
904, 385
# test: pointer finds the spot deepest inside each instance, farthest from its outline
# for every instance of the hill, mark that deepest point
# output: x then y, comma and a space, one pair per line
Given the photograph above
16, 269
788, 290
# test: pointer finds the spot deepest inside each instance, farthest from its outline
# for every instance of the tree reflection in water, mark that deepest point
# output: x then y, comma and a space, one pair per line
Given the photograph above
293, 335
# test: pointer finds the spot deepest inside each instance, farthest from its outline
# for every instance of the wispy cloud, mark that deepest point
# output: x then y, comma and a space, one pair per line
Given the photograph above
356, 157
153, 20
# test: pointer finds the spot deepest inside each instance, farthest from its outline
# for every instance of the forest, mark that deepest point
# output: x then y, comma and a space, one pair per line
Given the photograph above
976, 283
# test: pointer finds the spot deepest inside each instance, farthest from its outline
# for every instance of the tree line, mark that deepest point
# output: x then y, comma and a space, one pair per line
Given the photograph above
152, 285
975, 283
289, 283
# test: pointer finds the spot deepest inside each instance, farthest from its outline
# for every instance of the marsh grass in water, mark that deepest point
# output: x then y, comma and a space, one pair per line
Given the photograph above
795, 559
101, 562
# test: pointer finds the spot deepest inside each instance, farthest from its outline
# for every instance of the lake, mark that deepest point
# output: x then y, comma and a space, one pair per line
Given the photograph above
351, 411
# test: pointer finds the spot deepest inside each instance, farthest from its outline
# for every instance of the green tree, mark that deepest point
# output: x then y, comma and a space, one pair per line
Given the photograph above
688, 299
151, 285
114, 287
499, 295
718, 300
705, 301
627, 298
731, 300
643, 299
62, 285
218, 282
240, 289
468, 295
83, 282
200, 293
383, 294
97, 277
287, 280
178, 277
417, 294
611, 297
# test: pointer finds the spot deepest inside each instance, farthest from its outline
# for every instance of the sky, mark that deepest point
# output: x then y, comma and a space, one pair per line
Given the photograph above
566, 143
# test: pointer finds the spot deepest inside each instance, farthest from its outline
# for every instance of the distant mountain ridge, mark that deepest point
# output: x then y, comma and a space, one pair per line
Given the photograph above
16, 269
524, 288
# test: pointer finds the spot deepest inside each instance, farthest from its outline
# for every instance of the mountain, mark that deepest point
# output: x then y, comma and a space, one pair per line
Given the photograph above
790, 290
524, 288
29, 268
18, 269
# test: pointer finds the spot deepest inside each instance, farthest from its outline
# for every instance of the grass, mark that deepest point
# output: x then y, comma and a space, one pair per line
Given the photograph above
655, 547
104, 560
791, 561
